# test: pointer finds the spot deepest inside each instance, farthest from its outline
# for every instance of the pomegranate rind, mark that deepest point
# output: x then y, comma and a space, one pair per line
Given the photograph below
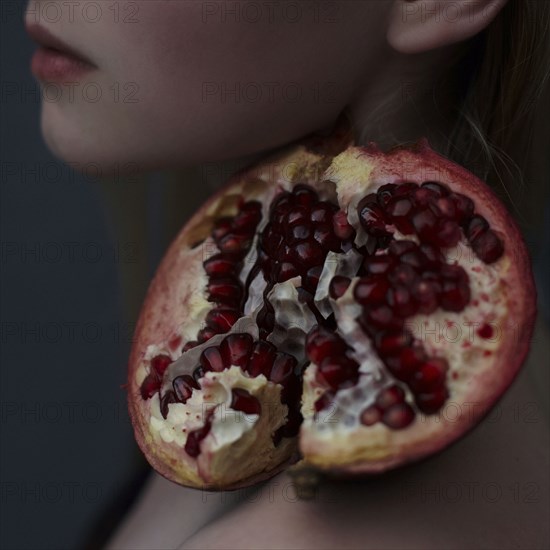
174, 295
368, 450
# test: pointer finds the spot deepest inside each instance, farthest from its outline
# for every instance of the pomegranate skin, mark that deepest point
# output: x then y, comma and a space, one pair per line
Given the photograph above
345, 457
169, 294
171, 298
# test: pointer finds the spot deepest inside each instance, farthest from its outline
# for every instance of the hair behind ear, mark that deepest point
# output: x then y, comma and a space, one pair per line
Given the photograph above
495, 130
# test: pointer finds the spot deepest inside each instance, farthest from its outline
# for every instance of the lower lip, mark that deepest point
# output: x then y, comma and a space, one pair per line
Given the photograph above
53, 65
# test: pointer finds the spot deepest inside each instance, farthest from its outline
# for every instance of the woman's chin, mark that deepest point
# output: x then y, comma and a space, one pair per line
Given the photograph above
92, 148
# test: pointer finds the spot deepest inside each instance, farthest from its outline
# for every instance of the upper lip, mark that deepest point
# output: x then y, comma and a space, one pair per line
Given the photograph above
45, 38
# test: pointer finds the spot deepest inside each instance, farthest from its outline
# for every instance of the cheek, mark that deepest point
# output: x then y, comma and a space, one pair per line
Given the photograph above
233, 85
200, 82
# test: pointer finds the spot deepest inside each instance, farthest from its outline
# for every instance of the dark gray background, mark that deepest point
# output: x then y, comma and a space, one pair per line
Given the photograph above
74, 270
67, 450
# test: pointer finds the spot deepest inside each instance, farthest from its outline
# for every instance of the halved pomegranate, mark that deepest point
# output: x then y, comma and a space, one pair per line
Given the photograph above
353, 308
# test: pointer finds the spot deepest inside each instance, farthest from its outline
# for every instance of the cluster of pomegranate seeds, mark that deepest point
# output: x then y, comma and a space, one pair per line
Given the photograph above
432, 212
301, 231
233, 237
400, 279
390, 408
336, 368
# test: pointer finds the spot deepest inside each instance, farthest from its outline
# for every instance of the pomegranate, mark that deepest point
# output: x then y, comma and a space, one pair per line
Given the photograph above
350, 308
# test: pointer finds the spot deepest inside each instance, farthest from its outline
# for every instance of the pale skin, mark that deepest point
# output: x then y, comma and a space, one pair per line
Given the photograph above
194, 67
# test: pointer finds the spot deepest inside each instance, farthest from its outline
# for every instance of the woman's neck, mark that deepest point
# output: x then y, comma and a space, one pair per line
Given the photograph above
409, 99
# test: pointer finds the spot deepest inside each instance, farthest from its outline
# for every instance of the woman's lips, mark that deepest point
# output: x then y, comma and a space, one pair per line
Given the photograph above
54, 60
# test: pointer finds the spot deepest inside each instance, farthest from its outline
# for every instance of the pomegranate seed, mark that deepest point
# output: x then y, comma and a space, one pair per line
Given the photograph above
372, 218
424, 223
391, 343
390, 396
225, 291
189, 345
261, 359
464, 206
150, 386
383, 317
205, 334
305, 195
426, 294
271, 240
235, 349
335, 371
338, 286
342, 228
299, 233
401, 301
406, 188
160, 363
283, 373
281, 202
430, 403
455, 296
286, 271
397, 248
220, 265
311, 279
234, 243
447, 207
211, 360
378, 265
410, 360
475, 227
385, 193
297, 216
432, 254
308, 253
400, 209
192, 445
324, 235
398, 416
321, 343
439, 189
424, 196
221, 228
324, 402
430, 376
447, 233
241, 400
488, 247
222, 318
453, 273
371, 415
249, 216
183, 387
400, 370
403, 275
370, 290
415, 259
165, 400
322, 213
